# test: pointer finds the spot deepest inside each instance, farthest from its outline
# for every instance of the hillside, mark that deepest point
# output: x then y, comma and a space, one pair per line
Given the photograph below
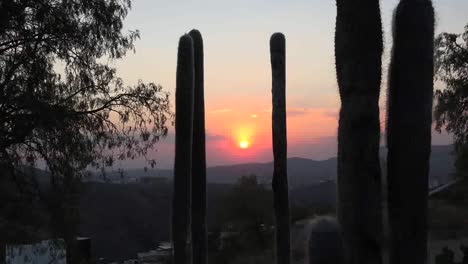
124, 219
301, 171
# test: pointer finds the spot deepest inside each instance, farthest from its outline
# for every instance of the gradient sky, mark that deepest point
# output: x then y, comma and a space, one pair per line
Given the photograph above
237, 69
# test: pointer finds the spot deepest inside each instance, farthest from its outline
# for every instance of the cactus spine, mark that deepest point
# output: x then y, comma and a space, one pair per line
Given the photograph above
183, 151
409, 129
280, 177
199, 239
358, 51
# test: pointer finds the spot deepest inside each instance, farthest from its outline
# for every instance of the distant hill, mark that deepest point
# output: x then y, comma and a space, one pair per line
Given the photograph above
301, 171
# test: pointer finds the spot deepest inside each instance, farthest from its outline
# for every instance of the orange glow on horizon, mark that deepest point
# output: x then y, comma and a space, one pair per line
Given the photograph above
245, 138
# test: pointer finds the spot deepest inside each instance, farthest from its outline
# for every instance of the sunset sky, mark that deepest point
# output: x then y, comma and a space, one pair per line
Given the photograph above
237, 69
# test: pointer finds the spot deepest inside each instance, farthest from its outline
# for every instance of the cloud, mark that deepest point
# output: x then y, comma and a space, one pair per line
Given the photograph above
297, 111
220, 111
317, 148
214, 137
333, 114
292, 111
300, 111
209, 137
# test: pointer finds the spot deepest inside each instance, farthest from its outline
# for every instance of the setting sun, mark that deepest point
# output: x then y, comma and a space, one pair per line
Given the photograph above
244, 144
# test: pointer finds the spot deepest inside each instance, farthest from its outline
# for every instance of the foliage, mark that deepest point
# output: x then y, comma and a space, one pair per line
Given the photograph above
23, 217
61, 101
446, 257
245, 216
248, 203
451, 111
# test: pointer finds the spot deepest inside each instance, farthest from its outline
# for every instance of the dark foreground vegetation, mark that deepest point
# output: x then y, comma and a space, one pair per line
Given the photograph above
125, 219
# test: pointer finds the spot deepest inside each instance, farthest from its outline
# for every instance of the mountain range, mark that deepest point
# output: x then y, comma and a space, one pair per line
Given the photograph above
301, 171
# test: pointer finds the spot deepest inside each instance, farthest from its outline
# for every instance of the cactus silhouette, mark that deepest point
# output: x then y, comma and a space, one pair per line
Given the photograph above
325, 243
358, 51
199, 234
280, 177
183, 150
409, 121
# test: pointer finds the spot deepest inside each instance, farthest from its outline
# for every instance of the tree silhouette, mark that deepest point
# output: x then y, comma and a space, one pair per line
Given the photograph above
451, 57
246, 212
464, 250
445, 257
61, 102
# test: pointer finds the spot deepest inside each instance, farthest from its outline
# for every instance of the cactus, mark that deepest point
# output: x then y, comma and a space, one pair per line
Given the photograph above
280, 177
199, 234
409, 129
325, 243
358, 55
183, 150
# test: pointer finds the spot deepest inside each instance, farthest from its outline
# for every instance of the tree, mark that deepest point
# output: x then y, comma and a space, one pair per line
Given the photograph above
246, 212
451, 111
61, 102
248, 205
358, 56
23, 215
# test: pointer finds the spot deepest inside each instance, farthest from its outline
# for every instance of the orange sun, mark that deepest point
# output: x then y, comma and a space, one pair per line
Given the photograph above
244, 144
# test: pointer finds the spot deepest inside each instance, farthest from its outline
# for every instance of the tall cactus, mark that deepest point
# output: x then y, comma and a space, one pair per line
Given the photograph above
358, 51
183, 150
280, 177
409, 129
199, 235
